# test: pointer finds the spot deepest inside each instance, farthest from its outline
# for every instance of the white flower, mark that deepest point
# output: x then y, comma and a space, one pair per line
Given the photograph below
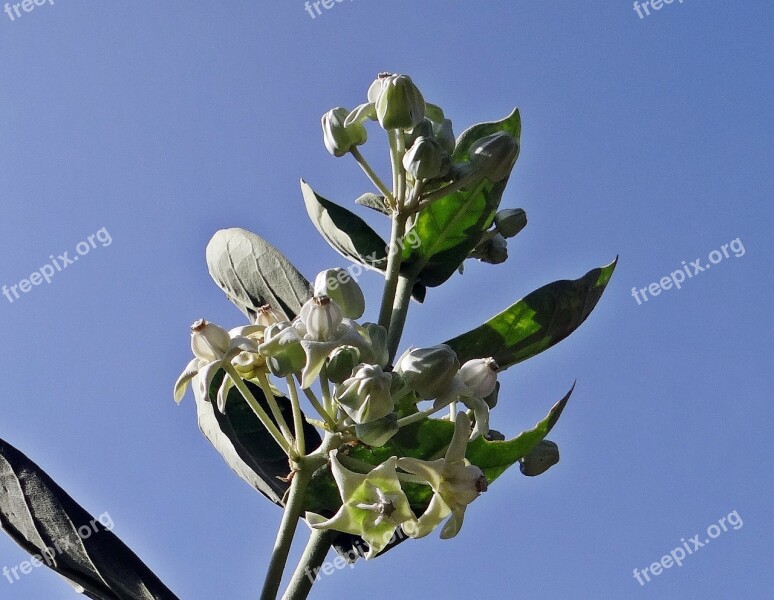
212, 346
455, 482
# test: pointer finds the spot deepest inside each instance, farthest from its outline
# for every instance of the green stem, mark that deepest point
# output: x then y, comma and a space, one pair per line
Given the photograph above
263, 382
392, 273
373, 176
305, 574
320, 409
298, 422
418, 416
287, 530
258, 410
400, 311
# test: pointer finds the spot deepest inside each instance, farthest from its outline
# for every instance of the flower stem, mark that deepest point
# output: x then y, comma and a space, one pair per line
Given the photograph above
306, 572
373, 176
418, 416
263, 382
258, 410
298, 422
320, 409
287, 530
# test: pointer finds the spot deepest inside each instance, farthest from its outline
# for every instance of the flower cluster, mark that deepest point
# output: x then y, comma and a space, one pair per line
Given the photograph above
324, 343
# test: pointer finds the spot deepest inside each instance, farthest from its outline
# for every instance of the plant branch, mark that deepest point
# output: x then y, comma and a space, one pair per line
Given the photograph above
400, 308
394, 256
293, 509
308, 566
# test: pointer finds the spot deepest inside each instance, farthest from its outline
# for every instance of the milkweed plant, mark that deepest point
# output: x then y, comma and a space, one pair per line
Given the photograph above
392, 442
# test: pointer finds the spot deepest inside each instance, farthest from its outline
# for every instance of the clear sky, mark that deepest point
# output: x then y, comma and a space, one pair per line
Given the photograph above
648, 138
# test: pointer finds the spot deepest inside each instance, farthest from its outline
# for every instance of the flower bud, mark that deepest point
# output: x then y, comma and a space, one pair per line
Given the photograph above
495, 155
424, 159
377, 433
366, 396
340, 287
282, 349
209, 341
267, 316
342, 361
480, 376
289, 362
321, 318
510, 221
445, 135
429, 371
400, 104
542, 457
424, 129
338, 137
376, 87
493, 251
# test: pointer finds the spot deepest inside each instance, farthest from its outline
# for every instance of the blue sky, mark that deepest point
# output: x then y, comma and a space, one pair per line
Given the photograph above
647, 138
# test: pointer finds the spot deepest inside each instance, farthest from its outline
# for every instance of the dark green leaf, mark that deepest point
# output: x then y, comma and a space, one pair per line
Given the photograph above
347, 233
536, 322
373, 201
243, 441
451, 227
253, 273
44, 520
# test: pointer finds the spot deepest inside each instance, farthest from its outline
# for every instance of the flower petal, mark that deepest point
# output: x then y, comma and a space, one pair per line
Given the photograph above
181, 385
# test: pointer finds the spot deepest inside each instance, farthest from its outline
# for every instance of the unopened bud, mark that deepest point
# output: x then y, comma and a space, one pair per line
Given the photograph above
542, 457
267, 316
495, 155
209, 341
338, 137
424, 159
400, 104
282, 348
445, 135
340, 287
366, 395
428, 371
321, 318
342, 361
480, 376
509, 222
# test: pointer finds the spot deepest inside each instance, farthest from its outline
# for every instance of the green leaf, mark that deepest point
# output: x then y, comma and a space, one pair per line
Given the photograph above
46, 522
242, 440
451, 227
347, 233
253, 273
493, 458
536, 322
